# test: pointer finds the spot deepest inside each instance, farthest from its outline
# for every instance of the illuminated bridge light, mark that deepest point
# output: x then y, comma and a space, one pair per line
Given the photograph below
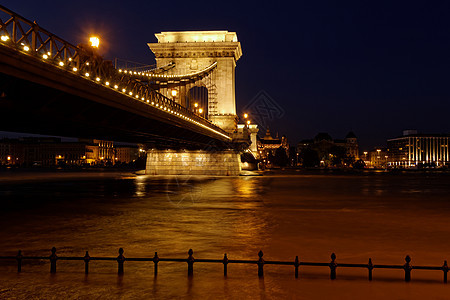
5, 38
87, 63
148, 101
137, 96
116, 86
75, 69
61, 63
107, 83
49, 53
87, 74
45, 56
120, 70
124, 90
98, 78
153, 103
70, 58
26, 48
130, 93
143, 99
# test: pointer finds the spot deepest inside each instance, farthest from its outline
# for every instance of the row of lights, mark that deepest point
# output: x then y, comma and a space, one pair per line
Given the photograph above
166, 76
95, 43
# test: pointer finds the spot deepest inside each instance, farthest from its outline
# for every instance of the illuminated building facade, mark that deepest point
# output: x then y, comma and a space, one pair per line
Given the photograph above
49, 151
267, 146
414, 150
376, 158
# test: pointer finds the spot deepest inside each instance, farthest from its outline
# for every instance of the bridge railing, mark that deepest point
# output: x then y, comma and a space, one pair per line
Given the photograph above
333, 265
29, 38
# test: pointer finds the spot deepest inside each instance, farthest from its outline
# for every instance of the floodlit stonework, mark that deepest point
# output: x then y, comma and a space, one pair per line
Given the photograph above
193, 51
193, 162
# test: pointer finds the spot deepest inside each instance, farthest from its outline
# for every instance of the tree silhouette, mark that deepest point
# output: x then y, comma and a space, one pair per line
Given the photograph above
281, 159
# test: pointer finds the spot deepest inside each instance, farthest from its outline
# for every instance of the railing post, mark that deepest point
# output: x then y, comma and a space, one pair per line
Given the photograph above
370, 268
190, 262
33, 37
225, 265
333, 266
407, 267
120, 261
53, 258
19, 261
86, 259
296, 264
155, 262
260, 264
445, 269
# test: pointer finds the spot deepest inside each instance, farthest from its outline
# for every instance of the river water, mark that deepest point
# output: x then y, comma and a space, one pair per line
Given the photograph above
377, 215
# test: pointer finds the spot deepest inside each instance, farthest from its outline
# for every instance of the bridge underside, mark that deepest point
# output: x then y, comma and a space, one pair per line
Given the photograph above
46, 100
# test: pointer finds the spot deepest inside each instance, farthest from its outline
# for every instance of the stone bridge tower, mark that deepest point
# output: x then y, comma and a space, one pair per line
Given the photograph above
193, 51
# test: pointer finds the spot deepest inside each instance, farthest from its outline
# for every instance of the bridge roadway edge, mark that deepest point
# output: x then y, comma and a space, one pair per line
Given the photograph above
39, 72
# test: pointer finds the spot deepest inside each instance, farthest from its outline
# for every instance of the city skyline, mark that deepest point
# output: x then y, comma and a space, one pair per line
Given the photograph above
373, 69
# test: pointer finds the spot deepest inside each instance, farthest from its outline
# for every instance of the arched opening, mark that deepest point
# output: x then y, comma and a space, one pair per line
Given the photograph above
197, 100
248, 161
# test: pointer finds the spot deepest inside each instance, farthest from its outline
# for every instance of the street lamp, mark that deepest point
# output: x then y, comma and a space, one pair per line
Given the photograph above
245, 116
200, 110
95, 41
174, 94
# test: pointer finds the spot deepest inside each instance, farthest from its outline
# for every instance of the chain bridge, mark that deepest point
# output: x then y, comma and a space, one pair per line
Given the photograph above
183, 109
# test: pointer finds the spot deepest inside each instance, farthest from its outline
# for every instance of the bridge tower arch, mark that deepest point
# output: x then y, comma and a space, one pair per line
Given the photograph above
193, 51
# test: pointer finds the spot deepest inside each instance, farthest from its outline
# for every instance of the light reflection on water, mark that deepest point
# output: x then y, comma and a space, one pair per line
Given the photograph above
380, 216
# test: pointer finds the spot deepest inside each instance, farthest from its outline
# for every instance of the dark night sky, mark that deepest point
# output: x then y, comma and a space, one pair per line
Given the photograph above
373, 67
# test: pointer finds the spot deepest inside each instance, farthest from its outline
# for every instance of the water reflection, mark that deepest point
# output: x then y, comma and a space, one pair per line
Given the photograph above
309, 216
140, 186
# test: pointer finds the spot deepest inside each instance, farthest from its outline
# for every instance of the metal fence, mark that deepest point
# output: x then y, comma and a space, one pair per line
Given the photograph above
260, 262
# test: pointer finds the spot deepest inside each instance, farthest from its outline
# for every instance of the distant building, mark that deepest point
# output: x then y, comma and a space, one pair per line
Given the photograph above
327, 149
126, 153
414, 150
10, 152
267, 146
376, 158
49, 151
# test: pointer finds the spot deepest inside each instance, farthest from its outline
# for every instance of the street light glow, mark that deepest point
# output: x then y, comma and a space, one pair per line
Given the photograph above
174, 93
245, 116
95, 41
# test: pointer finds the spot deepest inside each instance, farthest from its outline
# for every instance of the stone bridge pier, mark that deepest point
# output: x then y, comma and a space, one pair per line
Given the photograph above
193, 162
189, 52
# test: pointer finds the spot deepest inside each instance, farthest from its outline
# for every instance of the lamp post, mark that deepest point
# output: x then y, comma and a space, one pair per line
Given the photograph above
174, 94
195, 107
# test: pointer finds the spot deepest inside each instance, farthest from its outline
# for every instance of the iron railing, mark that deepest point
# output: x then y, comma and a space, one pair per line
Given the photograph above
29, 38
407, 267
